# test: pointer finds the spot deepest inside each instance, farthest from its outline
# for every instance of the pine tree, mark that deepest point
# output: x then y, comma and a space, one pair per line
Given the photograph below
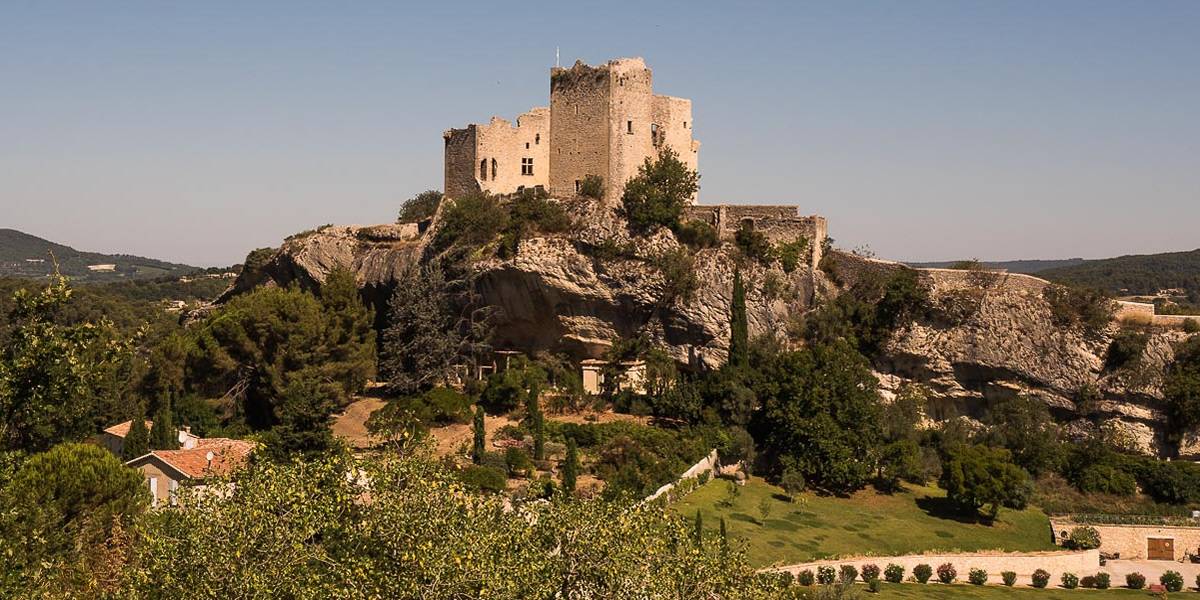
724, 538
571, 468
699, 527
163, 435
478, 449
537, 421
137, 441
739, 329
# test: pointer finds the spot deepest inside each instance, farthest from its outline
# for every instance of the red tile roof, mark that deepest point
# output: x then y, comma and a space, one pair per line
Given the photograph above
122, 429
228, 456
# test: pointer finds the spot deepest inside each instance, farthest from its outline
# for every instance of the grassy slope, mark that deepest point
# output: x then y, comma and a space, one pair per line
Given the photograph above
910, 590
867, 523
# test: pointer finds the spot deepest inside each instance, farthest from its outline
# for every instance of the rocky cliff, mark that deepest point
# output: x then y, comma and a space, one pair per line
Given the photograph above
985, 337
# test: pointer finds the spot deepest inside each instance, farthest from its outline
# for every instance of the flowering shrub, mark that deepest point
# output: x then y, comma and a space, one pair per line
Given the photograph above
1070, 581
977, 576
1172, 580
1009, 578
1135, 581
847, 573
1103, 581
893, 573
870, 572
805, 577
922, 572
825, 575
1040, 578
946, 573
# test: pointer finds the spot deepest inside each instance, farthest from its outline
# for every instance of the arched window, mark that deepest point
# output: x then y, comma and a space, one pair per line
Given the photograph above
493, 168
483, 169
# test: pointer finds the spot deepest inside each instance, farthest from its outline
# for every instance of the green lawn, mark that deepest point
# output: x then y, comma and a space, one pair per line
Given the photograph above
957, 592
915, 520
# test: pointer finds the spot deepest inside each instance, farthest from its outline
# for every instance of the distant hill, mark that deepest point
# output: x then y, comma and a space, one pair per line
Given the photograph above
1138, 274
24, 255
1013, 266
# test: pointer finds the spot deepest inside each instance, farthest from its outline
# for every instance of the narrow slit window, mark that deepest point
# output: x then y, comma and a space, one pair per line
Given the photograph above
578, 183
526, 145
527, 166
483, 169
493, 168
537, 138
629, 127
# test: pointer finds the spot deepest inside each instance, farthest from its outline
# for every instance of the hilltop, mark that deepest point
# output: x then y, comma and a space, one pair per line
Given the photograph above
1136, 274
25, 255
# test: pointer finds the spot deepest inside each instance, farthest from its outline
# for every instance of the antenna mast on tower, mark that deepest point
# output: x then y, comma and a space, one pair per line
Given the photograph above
556, 65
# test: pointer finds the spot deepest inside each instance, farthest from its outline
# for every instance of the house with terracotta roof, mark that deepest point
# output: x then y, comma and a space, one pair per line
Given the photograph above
166, 470
114, 437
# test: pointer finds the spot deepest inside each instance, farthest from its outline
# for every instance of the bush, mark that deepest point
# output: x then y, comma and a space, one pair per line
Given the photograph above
873, 585
922, 572
592, 186
805, 577
1084, 537
1172, 580
1009, 578
791, 254
946, 573
1070, 581
657, 195
847, 573
1135, 581
977, 576
517, 462
420, 207
754, 244
1040, 578
1126, 349
1077, 305
697, 235
1191, 326
825, 574
484, 479
1103, 580
471, 221
893, 573
870, 572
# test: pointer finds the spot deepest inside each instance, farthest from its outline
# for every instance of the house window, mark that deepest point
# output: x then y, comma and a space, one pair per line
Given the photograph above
493, 168
527, 166
629, 127
153, 491
483, 169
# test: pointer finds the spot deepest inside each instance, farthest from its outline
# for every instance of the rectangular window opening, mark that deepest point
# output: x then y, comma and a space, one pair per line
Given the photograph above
629, 127
527, 166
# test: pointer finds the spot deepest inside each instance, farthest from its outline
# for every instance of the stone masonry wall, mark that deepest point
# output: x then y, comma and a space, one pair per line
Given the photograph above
631, 115
779, 223
460, 167
1130, 541
673, 128
490, 157
578, 127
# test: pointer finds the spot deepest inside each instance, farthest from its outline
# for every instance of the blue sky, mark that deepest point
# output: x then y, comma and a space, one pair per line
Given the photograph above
196, 131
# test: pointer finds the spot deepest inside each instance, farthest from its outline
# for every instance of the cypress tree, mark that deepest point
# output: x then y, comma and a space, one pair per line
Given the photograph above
699, 527
537, 422
571, 469
137, 441
477, 449
724, 538
739, 328
163, 435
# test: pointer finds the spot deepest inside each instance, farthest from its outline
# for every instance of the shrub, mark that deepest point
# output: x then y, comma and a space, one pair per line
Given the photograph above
1070, 581
657, 195
517, 461
697, 235
873, 585
1040, 578
472, 220
1103, 580
592, 186
420, 207
893, 573
825, 574
946, 573
1126, 348
922, 572
484, 479
805, 577
1191, 326
1009, 578
754, 244
1077, 305
870, 572
977, 576
791, 254
1172, 580
847, 573
1084, 537
1135, 581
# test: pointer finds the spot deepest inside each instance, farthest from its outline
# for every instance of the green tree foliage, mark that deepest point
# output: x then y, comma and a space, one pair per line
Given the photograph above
792, 254
819, 415
592, 186
137, 441
975, 476
57, 508
1126, 349
531, 212
697, 235
657, 195
258, 343
698, 528
57, 382
163, 433
305, 415
1079, 306
420, 207
1182, 386
754, 244
478, 436
469, 222
433, 325
868, 313
420, 536
1136, 274
1024, 427
537, 421
570, 471
739, 327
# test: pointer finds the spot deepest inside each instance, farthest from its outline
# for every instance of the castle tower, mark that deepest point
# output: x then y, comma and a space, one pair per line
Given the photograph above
498, 158
607, 121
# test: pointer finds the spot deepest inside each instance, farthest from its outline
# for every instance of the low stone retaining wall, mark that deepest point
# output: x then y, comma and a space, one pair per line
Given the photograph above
1082, 563
1132, 542
706, 465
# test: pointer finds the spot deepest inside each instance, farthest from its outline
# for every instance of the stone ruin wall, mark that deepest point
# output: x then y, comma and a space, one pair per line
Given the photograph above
779, 223
489, 157
631, 113
578, 127
673, 129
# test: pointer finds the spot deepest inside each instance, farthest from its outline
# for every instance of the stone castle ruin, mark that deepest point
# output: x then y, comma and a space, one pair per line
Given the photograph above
603, 121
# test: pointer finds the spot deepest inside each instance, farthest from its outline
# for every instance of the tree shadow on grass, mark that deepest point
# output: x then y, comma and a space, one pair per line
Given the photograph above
943, 508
